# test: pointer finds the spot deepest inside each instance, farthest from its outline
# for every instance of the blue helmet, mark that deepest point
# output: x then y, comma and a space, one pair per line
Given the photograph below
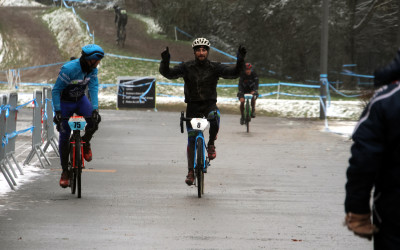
92, 52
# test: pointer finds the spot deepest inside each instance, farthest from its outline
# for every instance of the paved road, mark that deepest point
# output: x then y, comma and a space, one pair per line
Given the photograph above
279, 187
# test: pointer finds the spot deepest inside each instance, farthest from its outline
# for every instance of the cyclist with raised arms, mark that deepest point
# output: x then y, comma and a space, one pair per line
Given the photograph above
69, 98
201, 77
248, 84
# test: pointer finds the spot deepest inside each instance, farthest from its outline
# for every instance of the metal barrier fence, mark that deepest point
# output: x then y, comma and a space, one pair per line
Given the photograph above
8, 133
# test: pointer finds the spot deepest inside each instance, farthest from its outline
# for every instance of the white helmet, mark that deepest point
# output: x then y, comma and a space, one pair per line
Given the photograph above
201, 42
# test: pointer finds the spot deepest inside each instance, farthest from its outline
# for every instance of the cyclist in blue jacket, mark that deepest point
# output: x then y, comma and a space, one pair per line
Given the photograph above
69, 97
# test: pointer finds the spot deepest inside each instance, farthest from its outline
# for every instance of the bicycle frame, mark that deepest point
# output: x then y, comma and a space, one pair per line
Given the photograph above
77, 163
76, 136
199, 125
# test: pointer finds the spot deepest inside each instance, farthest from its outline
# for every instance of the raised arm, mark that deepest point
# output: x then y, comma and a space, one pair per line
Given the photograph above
165, 70
229, 72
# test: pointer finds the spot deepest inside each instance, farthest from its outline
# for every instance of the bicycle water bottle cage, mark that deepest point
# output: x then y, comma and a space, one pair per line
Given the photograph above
199, 123
248, 96
77, 123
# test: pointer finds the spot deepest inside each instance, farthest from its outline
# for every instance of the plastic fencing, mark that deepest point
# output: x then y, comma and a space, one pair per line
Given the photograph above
8, 133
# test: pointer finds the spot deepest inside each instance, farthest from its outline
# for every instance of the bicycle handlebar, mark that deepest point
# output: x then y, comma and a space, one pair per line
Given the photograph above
187, 119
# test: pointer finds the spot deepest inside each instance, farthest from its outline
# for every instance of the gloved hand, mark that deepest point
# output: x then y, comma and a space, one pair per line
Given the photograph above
96, 116
165, 55
57, 118
241, 53
361, 225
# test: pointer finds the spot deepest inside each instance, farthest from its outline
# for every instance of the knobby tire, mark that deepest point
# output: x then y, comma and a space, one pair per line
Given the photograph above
78, 162
247, 116
199, 167
72, 171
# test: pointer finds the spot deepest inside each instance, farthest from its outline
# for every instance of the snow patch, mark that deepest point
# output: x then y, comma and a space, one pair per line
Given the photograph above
152, 27
70, 35
30, 174
20, 3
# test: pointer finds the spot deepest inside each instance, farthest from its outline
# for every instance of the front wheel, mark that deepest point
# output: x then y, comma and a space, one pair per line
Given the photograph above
78, 162
248, 116
199, 167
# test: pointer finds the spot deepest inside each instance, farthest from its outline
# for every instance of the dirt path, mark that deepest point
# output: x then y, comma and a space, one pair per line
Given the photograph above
33, 43
138, 42
24, 30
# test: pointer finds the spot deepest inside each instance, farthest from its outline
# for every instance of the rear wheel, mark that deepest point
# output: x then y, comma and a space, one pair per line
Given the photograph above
72, 172
199, 167
123, 37
78, 162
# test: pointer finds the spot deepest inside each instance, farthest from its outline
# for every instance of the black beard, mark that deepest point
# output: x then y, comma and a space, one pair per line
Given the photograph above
85, 66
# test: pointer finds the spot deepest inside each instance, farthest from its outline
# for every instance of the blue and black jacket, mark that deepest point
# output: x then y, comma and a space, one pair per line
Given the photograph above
375, 159
72, 82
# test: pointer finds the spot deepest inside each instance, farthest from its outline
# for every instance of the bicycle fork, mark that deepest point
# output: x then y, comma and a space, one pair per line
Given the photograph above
204, 167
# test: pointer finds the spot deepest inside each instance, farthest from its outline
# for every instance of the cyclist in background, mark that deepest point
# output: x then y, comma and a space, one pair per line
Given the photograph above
121, 19
248, 84
69, 98
201, 78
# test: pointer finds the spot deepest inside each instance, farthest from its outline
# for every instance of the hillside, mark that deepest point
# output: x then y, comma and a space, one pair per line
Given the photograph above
29, 42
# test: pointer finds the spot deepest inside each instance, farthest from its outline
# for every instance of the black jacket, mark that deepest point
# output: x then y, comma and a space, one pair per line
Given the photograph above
201, 78
248, 83
375, 159
389, 73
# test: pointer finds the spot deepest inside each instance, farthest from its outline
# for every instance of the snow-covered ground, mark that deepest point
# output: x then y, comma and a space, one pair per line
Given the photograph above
19, 3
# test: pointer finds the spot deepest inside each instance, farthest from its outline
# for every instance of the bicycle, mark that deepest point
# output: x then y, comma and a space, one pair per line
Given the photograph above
76, 161
201, 161
122, 37
247, 111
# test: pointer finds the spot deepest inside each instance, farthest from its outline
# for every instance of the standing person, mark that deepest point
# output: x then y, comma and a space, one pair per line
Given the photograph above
121, 19
201, 77
375, 164
69, 98
248, 84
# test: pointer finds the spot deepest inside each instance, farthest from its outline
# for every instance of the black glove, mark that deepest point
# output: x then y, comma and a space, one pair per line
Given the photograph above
57, 118
165, 55
96, 116
241, 53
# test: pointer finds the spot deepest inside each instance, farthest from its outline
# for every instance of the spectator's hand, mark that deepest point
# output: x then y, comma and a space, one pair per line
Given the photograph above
241, 53
57, 118
165, 55
361, 225
96, 116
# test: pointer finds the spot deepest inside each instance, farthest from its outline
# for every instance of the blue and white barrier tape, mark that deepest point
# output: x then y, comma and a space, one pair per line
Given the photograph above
340, 93
27, 103
13, 134
349, 73
83, 21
